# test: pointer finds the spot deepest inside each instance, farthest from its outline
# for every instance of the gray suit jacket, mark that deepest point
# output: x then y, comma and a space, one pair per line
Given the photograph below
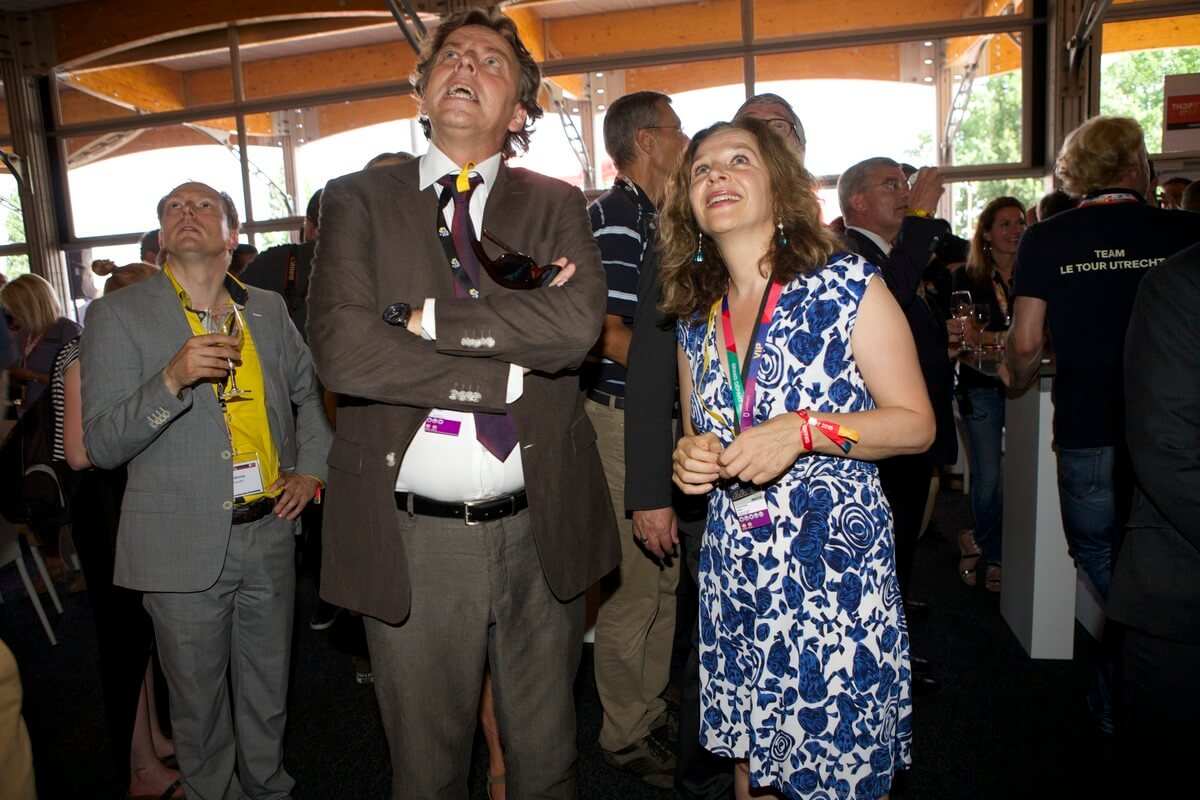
176, 515
379, 246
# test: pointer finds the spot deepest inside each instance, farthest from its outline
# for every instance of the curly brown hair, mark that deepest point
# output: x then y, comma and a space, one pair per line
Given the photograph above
688, 286
529, 79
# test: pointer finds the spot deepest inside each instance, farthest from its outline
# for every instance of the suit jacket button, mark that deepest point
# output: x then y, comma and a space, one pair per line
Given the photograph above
391, 459
226, 455
227, 505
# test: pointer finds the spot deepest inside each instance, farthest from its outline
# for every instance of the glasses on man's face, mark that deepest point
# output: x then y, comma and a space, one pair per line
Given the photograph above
891, 184
781, 126
513, 269
677, 128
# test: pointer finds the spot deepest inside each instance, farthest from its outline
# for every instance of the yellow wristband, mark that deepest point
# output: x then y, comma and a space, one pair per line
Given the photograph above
920, 212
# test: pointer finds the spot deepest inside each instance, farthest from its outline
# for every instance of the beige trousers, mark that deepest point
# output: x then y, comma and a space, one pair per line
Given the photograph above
635, 625
16, 759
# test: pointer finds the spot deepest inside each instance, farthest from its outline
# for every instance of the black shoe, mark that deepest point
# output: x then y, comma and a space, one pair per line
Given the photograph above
920, 664
924, 684
323, 616
666, 727
648, 759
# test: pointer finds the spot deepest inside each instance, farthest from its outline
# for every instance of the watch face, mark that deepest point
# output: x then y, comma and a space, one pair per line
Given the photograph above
397, 314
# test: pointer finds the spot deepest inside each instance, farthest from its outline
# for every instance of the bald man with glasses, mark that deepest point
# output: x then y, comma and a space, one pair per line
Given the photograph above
780, 118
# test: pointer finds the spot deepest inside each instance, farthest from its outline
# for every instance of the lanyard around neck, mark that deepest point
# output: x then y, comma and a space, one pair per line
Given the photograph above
743, 378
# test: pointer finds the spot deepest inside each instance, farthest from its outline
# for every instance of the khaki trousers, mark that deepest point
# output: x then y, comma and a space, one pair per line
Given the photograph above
635, 625
16, 758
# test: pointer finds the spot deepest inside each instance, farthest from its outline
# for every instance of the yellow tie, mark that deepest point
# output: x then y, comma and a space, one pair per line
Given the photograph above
463, 183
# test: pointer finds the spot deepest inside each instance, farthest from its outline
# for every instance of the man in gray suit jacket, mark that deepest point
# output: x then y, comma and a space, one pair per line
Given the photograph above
215, 485
465, 487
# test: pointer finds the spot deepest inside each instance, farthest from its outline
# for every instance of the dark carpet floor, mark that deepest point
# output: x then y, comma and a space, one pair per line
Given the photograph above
1002, 725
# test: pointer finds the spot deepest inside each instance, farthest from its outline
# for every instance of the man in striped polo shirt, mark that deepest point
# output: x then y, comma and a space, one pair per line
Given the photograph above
635, 625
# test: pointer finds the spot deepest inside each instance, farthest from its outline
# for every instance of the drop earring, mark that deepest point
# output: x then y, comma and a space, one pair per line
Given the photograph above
699, 258
782, 237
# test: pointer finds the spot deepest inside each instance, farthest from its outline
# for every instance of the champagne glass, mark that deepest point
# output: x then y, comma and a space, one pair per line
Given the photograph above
228, 321
981, 316
960, 309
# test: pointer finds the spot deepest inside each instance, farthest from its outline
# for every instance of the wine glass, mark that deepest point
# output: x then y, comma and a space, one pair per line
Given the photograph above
228, 321
981, 316
960, 309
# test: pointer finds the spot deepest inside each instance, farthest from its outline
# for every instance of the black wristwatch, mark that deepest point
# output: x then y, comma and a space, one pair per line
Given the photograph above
397, 314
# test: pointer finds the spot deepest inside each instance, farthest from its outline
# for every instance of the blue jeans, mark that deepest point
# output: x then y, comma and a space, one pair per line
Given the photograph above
985, 430
1088, 494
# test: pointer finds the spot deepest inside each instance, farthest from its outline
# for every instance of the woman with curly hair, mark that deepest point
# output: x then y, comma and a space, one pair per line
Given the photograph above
988, 277
797, 369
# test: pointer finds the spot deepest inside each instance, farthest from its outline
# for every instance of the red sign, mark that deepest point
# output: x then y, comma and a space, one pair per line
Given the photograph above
1183, 112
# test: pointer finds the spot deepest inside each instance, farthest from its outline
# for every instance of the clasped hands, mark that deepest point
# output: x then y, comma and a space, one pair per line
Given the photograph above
758, 455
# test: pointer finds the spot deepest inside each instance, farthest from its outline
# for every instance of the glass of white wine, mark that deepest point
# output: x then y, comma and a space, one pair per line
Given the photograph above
961, 308
228, 321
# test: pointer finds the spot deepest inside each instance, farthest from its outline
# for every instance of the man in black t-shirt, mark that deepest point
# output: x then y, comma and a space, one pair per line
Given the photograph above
1078, 272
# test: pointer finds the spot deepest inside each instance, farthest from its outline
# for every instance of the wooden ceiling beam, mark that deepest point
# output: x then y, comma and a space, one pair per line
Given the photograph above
98, 29
217, 40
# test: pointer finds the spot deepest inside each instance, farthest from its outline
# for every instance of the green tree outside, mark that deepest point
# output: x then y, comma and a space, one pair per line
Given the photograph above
1131, 85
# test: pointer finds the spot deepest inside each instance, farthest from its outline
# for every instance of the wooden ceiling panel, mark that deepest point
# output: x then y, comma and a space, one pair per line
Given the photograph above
102, 27
706, 22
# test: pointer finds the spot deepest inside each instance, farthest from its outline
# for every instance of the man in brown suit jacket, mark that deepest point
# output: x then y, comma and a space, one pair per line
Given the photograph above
464, 545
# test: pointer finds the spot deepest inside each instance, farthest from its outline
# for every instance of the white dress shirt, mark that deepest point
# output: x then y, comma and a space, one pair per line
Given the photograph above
438, 465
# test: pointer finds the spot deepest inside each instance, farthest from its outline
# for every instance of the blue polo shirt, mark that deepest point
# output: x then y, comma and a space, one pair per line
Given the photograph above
623, 222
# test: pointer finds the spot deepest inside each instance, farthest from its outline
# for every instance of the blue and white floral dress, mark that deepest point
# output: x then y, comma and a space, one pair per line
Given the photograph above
803, 642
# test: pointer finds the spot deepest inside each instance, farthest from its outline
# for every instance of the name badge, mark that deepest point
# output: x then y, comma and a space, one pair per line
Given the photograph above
247, 477
446, 427
751, 508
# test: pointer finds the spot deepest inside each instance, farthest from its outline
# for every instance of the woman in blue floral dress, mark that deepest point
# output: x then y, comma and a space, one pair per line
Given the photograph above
803, 643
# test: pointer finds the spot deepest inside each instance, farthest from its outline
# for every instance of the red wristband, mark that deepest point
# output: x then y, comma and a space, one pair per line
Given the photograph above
805, 434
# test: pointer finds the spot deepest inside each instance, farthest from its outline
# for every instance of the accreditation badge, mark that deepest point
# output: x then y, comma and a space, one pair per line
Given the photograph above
750, 504
247, 475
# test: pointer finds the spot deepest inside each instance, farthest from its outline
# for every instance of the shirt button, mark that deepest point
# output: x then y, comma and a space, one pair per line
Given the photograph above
227, 505
226, 455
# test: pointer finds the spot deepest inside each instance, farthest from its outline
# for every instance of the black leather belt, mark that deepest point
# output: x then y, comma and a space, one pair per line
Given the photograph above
472, 512
605, 399
253, 512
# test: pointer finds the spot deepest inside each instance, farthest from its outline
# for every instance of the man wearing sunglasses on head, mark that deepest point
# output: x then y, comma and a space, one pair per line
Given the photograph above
635, 625
465, 483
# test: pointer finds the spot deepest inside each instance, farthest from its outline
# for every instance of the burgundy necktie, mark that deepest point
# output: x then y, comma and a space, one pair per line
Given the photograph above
496, 432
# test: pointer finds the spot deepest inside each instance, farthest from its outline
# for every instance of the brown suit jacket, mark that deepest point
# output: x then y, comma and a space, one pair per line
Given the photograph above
378, 246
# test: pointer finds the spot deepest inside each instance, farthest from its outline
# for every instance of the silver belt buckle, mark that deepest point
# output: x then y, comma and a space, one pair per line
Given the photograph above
467, 506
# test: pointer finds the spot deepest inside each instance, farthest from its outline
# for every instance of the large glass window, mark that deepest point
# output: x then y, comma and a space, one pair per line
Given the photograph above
12, 224
1135, 57
948, 100
960, 96
117, 179
967, 199
341, 138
